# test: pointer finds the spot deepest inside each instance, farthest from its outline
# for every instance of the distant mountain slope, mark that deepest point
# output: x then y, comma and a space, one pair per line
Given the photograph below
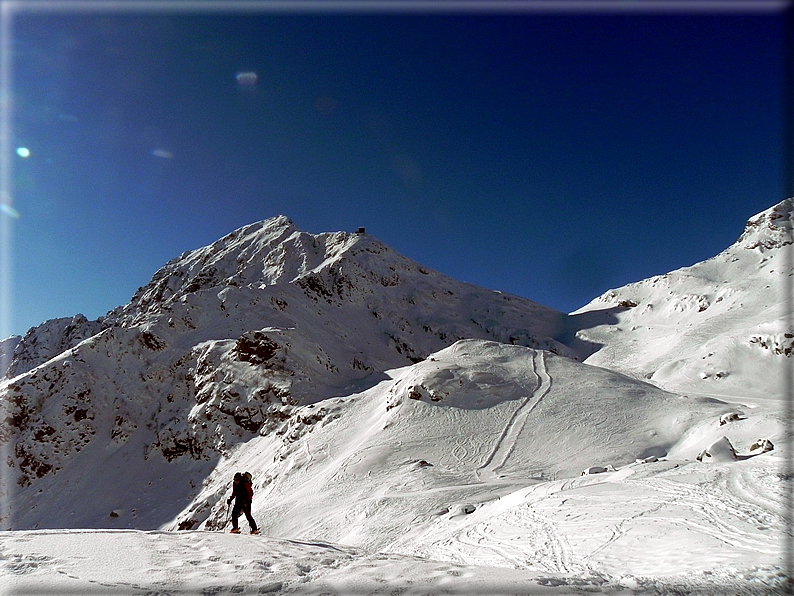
227, 338
716, 327
7, 348
47, 341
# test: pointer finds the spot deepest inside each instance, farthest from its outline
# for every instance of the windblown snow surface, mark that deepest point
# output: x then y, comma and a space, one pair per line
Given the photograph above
407, 433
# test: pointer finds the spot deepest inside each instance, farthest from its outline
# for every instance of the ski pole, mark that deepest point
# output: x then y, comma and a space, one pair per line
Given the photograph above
228, 506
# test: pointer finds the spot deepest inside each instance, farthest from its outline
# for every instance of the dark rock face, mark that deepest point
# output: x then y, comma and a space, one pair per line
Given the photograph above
255, 348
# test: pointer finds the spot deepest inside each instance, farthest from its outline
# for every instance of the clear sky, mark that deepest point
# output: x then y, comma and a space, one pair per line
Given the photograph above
550, 154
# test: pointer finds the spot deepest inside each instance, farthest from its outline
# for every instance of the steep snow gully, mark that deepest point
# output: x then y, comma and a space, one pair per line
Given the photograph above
407, 433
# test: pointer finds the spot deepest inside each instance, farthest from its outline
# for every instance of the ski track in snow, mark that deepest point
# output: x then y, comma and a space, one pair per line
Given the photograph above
733, 505
525, 540
507, 441
136, 562
719, 511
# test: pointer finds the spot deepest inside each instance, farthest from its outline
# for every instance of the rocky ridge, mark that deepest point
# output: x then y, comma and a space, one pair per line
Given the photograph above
227, 340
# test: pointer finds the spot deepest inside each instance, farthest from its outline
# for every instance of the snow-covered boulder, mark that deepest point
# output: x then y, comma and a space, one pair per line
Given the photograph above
720, 450
598, 470
646, 460
731, 417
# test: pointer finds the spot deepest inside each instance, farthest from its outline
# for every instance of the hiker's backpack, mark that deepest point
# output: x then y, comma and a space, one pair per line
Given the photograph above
248, 480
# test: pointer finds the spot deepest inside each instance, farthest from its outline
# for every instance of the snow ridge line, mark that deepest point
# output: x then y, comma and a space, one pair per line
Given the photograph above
506, 443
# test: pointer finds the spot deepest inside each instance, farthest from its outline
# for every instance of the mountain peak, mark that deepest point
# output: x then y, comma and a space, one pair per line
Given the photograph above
772, 228
274, 226
260, 254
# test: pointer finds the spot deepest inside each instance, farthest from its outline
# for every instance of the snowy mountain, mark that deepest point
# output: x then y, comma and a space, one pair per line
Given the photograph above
7, 348
226, 340
717, 327
47, 341
386, 410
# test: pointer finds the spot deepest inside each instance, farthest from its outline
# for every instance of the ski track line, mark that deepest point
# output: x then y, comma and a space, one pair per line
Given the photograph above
459, 452
760, 487
532, 541
717, 509
507, 440
618, 530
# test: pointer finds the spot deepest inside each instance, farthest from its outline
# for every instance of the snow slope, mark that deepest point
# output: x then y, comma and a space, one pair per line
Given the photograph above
133, 562
407, 433
717, 327
456, 475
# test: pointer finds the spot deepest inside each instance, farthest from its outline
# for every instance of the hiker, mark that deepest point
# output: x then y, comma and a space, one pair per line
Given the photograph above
242, 494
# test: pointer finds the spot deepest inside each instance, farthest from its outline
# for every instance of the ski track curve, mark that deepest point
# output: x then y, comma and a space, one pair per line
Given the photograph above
724, 508
518, 538
507, 440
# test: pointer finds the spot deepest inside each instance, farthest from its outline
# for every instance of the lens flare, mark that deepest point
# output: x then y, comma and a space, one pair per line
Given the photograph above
247, 78
23, 152
9, 211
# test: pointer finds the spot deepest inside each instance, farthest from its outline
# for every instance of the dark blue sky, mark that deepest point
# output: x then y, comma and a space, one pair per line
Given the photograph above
550, 155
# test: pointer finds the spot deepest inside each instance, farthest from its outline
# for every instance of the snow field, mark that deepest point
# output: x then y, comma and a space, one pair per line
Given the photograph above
479, 466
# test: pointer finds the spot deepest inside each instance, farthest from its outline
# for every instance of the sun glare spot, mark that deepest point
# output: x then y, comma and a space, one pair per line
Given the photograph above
23, 152
9, 211
247, 78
